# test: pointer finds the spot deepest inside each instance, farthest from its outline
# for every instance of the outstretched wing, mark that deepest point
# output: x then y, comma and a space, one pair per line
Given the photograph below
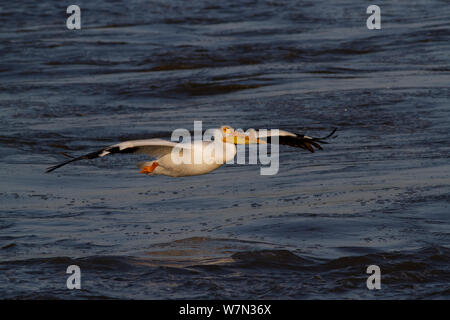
152, 147
295, 140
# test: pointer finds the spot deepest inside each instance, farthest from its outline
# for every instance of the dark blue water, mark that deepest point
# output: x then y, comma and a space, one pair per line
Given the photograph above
378, 194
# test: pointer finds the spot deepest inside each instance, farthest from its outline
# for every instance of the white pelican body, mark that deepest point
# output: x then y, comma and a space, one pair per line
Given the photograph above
196, 158
213, 155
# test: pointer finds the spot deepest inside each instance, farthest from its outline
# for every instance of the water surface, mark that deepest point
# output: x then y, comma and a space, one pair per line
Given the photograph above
378, 193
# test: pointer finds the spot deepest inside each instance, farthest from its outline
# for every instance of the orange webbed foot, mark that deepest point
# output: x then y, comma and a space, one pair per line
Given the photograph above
149, 169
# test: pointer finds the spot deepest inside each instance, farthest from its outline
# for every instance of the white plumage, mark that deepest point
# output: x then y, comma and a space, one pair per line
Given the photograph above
198, 157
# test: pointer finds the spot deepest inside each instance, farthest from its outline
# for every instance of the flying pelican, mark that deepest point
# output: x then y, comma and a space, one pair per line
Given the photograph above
213, 153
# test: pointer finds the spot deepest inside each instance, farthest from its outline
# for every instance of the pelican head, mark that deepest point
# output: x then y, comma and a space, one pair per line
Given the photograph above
229, 135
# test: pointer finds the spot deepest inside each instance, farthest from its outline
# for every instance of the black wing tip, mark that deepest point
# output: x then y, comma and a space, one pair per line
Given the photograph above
322, 139
331, 134
311, 143
50, 169
92, 155
310, 149
326, 137
65, 154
